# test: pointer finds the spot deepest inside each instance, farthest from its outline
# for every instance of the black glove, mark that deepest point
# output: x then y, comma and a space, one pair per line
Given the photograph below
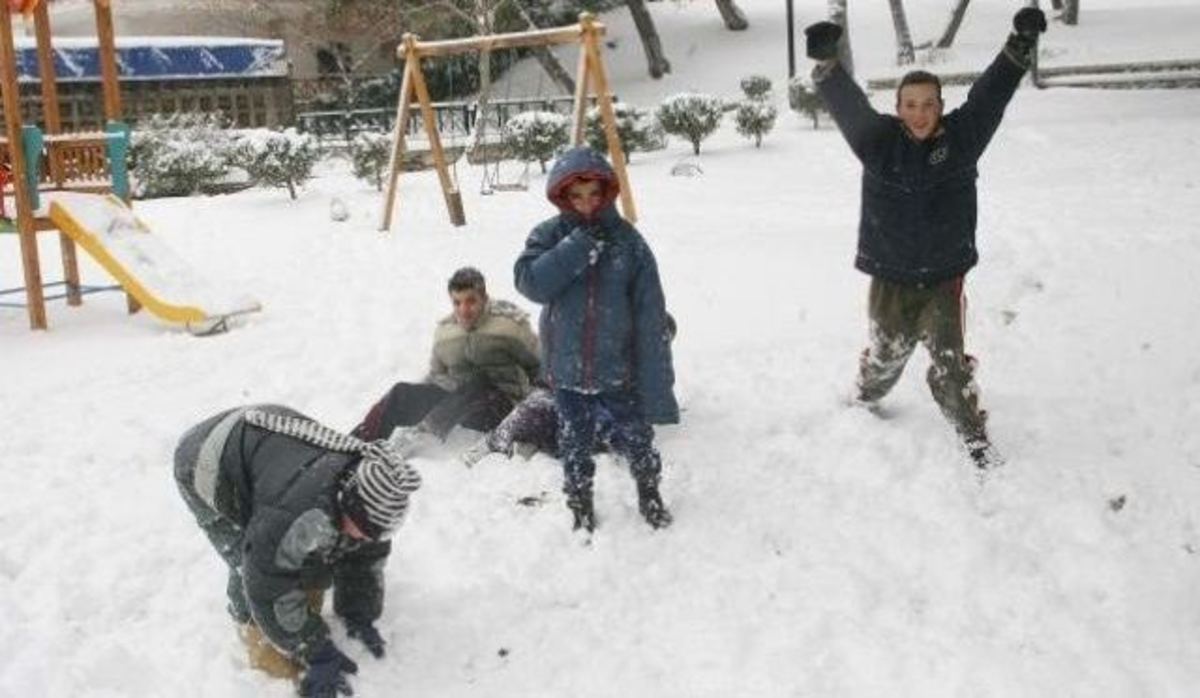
367, 634
1029, 22
326, 675
821, 40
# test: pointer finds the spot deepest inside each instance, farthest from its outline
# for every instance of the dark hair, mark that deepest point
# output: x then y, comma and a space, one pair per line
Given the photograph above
467, 279
919, 77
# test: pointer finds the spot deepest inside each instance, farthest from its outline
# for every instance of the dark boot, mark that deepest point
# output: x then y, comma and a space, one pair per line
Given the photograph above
580, 505
650, 504
979, 447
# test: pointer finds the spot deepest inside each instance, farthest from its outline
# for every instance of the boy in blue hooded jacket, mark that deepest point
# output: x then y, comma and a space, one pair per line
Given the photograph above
605, 344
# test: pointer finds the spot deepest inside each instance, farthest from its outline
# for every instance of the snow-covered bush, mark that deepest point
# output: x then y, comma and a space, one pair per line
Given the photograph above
277, 158
637, 128
755, 119
803, 98
175, 155
536, 136
756, 86
691, 116
370, 153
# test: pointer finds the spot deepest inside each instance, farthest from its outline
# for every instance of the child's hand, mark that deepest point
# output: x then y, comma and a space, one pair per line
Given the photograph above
598, 233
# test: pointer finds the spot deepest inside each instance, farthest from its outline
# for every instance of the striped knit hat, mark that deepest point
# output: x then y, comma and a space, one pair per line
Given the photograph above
375, 495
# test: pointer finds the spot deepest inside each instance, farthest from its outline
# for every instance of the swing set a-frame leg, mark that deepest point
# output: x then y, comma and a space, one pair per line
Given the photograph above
397, 160
592, 67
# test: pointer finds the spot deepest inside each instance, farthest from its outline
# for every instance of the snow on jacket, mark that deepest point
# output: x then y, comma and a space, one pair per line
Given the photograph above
917, 221
603, 320
282, 492
501, 348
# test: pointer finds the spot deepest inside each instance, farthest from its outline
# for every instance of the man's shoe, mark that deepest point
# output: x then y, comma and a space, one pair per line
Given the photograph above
983, 454
581, 507
408, 440
651, 506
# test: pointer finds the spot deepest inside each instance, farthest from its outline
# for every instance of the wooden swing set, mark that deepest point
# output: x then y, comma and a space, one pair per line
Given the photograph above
89, 162
591, 72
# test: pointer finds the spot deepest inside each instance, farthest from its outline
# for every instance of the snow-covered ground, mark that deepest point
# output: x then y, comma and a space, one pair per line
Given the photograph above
817, 550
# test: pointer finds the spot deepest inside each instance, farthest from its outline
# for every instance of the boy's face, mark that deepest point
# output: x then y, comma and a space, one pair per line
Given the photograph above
585, 196
468, 305
920, 108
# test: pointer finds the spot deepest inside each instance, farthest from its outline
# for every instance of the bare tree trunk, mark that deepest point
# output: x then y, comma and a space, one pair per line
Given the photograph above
1070, 15
904, 44
956, 18
659, 65
838, 15
481, 101
735, 19
546, 58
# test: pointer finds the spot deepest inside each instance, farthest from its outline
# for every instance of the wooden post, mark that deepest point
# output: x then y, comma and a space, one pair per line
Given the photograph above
106, 46
449, 188
591, 46
107, 49
400, 131
52, 121
35, 300
582, 79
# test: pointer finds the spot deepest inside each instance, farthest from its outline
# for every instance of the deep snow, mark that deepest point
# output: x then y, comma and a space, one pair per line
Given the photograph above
817, 550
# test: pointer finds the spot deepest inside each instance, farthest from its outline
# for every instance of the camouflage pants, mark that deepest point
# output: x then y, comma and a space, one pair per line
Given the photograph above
223, 533
900, 317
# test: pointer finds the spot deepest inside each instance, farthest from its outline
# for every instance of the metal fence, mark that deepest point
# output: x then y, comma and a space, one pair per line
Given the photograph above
453, 118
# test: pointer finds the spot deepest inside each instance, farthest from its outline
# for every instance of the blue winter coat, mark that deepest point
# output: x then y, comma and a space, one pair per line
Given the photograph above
603, 322
917, 223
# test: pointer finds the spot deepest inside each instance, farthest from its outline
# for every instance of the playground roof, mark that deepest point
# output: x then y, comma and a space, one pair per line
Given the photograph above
76, 59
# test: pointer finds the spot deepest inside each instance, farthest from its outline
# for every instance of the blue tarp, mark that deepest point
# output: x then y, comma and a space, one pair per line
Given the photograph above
159, 59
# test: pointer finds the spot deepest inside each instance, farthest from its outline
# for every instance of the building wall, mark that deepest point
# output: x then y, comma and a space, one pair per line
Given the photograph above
291, 20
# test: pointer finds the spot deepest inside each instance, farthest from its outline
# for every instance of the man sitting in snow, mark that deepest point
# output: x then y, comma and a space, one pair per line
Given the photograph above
294, 508
484, 361
916, 234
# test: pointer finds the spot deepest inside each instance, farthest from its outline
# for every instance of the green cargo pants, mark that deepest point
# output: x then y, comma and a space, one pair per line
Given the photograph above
901, 316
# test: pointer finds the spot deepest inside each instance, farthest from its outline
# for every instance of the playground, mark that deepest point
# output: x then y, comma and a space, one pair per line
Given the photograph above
817, 550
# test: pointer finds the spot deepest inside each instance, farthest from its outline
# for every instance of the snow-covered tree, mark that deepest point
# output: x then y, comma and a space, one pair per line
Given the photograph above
370, 154
637, 128
755, 119
803, 98
536, 136
277, 158
756, 86
174, 155
692, 116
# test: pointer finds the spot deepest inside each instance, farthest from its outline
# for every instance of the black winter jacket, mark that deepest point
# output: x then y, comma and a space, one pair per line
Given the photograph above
282, 492
917, 221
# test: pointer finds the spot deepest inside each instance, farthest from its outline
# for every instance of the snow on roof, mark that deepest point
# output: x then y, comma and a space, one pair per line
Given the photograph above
76, 59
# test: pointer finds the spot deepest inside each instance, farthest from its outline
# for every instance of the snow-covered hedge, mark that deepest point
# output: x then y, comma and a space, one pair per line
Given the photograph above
756, 86
803, 98
277, 158
536, 136
755, 119
692, 116
175, 155
370, 153
637, 128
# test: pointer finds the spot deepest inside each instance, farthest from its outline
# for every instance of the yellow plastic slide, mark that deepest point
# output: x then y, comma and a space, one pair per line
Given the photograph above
142, 263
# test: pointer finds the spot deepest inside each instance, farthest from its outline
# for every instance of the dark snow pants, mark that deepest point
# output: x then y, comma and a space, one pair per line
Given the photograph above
476, 405
223, 532
902, 315
631, 437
